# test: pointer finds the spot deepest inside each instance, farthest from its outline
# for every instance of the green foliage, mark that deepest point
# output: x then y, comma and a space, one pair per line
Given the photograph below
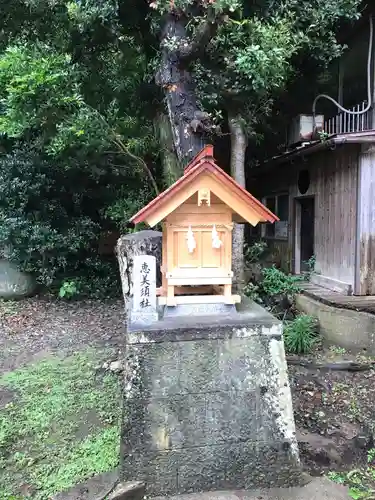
98, 279
61, 428
78, 104
361, 481
253, 253
121, 210
300, 335
40, 224
68, 289
334, 349
38, 89
258, 50
276, 282
258, 54
96, 454
219, 6
311, 263
74, 132
253, 291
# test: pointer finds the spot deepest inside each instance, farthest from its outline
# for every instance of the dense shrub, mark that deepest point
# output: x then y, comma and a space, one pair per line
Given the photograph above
276, 282
50, 224
39, 226
74, 141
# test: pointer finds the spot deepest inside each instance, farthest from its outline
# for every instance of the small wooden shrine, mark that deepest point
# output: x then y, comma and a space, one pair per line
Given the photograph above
197, 214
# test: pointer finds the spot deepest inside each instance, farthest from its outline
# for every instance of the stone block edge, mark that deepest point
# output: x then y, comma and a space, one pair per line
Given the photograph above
130, 490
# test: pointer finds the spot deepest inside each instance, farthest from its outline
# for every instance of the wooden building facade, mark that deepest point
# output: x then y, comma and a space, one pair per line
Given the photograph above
324, 196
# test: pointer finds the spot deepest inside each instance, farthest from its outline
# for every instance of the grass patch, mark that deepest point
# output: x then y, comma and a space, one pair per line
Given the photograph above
61, 427
300, 335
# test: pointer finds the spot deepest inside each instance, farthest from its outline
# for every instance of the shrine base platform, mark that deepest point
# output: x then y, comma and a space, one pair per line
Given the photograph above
207, 404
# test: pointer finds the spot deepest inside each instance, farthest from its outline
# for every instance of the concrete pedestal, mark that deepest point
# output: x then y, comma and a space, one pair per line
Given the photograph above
207, 404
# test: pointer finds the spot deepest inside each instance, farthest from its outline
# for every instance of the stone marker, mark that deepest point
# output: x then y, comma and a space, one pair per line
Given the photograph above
143, 310
128, 247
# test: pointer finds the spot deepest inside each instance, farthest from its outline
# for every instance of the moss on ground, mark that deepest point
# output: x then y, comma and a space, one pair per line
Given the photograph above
60, 426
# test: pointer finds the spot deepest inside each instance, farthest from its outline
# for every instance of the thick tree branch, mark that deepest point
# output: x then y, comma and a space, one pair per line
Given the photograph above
190, 49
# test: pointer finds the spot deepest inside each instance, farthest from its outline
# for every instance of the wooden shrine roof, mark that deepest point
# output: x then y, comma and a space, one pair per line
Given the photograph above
203, 165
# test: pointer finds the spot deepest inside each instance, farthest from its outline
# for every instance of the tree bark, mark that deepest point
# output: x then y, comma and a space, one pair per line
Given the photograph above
171, 166
237, 165
189, 124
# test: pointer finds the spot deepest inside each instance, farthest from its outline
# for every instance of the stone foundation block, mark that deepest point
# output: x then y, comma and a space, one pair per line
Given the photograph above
207, 405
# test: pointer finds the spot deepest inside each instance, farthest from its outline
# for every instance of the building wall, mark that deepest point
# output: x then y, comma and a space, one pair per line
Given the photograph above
366, 230
333, 184
274, 182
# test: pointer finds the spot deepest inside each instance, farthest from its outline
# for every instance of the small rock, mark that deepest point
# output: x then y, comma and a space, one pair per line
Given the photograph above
105, 365
321, 414
116, 366
349, 431
362, 441
15, 284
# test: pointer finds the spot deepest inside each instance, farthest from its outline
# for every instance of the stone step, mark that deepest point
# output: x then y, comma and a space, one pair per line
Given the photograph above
317, 489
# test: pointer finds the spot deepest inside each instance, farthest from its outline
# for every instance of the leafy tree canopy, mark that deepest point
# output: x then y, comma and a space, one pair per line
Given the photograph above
83, 81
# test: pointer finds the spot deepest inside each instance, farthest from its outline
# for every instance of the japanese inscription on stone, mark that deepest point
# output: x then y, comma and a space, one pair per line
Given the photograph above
144, 289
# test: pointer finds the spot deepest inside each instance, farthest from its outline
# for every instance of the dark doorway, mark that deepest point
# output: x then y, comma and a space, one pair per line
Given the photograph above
307, 231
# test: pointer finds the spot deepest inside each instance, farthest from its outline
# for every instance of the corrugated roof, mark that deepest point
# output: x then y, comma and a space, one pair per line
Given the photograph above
311, 147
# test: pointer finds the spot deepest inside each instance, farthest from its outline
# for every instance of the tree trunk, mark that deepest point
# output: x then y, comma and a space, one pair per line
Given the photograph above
171, 166
188, 123
237, 165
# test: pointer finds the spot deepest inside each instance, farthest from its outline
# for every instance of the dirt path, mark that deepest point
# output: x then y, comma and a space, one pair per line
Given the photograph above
32, 329
334, 413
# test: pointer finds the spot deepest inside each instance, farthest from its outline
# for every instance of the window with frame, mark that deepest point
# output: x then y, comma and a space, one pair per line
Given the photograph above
279, 205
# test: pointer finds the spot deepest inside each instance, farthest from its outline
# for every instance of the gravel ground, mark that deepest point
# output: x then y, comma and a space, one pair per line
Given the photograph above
35, 328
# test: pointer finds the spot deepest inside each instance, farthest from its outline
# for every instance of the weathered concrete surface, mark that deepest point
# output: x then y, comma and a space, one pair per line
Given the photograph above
95, 487
207, 405
354, 330
318, 489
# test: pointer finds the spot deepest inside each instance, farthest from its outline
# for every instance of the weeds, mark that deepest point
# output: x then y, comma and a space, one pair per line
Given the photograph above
361, 482
68, 290
300, 335
253, 292
8, 308
334, 349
